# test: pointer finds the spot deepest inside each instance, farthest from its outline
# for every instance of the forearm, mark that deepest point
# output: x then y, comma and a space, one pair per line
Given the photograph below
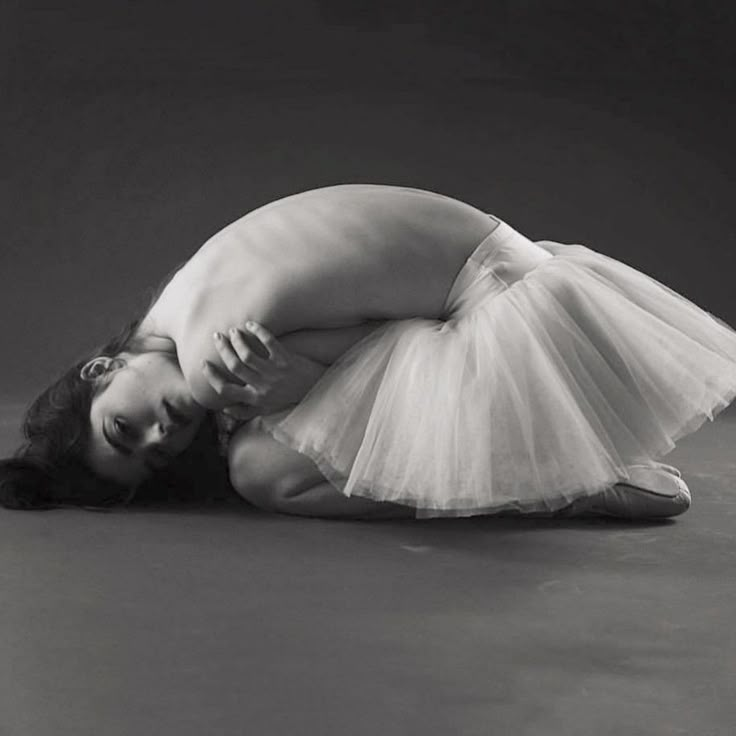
261, 374
325, 346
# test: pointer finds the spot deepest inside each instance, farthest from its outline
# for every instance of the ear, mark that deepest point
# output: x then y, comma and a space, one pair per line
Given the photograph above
100, 366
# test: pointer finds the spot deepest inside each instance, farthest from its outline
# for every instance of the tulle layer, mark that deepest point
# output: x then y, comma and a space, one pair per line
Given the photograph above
556, 368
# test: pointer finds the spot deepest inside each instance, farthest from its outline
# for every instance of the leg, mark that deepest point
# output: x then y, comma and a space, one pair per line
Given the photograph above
275, 478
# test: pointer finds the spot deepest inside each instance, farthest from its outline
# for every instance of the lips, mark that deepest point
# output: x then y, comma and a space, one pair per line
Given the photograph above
159, 458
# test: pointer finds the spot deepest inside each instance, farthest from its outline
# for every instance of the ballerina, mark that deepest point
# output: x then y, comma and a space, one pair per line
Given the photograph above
390, 351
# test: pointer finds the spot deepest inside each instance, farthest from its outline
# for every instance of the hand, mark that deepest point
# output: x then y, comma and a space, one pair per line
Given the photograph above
260, 381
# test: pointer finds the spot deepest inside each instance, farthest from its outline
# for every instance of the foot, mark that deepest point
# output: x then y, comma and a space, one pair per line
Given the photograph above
654, 491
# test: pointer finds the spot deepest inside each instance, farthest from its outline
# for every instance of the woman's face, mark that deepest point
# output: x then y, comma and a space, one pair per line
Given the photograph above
141, 418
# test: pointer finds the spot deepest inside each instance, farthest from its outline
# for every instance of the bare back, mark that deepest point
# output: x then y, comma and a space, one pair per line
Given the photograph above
324, 258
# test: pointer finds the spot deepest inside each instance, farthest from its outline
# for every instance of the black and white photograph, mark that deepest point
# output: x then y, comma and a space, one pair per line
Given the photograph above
368, 368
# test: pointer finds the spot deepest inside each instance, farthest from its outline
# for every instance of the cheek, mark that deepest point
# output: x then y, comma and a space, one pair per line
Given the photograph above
105, 403
133, 394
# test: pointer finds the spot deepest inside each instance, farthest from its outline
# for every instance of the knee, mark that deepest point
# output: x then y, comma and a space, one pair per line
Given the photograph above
249, 475
267, 473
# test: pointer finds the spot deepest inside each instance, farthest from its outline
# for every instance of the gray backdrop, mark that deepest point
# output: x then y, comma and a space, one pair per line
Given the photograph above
133, 133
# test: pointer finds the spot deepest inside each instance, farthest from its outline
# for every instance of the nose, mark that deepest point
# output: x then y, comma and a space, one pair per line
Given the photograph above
166, 429
158, 433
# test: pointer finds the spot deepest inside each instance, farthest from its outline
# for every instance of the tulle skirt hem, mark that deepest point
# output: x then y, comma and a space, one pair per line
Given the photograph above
555, 368
457, 507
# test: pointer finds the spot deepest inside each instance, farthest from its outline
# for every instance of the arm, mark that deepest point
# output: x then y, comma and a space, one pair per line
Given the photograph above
264, 375
326, 346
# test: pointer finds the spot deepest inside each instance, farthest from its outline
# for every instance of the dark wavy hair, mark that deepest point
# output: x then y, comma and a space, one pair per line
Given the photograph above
49, 470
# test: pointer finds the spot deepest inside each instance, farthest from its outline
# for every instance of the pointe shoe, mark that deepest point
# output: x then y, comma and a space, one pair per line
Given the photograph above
654, 491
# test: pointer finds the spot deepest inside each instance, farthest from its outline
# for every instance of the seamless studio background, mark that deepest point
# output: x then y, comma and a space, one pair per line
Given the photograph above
135, 131
132, 132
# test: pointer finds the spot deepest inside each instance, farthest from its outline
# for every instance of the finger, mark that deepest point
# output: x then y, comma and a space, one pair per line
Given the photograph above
245, 353
241, 411
232, 361
232, 393
273, 347
252, 396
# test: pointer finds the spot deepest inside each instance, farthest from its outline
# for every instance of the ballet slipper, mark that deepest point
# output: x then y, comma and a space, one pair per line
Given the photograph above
655, 491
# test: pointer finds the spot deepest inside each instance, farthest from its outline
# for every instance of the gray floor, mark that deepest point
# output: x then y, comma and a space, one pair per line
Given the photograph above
227, 621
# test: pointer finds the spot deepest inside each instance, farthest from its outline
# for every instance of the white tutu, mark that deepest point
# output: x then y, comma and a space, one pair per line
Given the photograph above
554, 369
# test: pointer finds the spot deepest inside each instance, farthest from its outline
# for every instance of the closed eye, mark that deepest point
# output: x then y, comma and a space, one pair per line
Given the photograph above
123, 449
123, 429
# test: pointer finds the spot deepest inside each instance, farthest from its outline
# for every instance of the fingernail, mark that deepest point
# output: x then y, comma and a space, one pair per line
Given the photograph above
233, 330
217, 336
250, 324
